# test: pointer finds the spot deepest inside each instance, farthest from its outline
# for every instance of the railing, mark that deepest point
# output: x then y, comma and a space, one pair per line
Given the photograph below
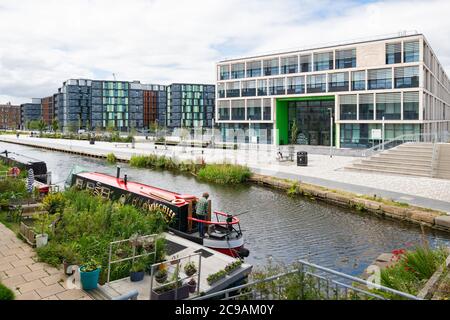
305, 283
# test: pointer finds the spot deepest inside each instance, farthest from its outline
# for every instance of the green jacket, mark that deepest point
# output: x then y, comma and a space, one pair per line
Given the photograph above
202, 207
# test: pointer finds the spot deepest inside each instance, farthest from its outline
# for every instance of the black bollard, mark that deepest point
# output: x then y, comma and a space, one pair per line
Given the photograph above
125, 178
118, 172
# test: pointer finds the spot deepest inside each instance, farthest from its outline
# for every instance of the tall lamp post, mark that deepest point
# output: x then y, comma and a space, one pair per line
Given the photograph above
331, 132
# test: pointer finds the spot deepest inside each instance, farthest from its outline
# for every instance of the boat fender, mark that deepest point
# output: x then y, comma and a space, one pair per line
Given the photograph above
178, 201
243, 252
14, 171
186, 197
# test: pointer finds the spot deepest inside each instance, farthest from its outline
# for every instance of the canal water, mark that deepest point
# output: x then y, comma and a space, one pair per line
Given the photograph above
276, 226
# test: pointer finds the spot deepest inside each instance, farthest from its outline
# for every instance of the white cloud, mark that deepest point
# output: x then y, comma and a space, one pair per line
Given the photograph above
46, 42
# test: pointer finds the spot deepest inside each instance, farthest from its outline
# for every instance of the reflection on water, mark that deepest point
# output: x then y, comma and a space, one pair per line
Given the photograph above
274, 224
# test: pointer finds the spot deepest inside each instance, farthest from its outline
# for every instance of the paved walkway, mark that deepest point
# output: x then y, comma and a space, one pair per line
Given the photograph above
31, 280
321, 170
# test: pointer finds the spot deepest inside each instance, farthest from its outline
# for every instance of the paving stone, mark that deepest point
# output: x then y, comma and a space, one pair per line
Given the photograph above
10, 258
32, 295
33, 275
56, 278
36, 266
51, 270
6, 266
23, 262
18, 271
27, 254
50, 290
29, 286
53, 297
74, 294
12, 282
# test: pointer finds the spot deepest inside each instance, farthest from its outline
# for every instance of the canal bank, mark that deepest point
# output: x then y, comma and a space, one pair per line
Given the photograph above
276, 226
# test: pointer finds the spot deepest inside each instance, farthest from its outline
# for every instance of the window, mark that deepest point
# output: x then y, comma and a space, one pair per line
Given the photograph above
393, 53
233, 89
271, 67
389, 106
348, 107
351, 136
262, 87
305, 63
366, 107
406, 77
323, 61
358, 80
221, 90
224, 110
253, 69
254, 109
317, 83
338, 82
289, 65
249, 88
411, 51
267, 110
238, 110
296, 85
237, 70
276, 86
380, 79
345, 59
411, 105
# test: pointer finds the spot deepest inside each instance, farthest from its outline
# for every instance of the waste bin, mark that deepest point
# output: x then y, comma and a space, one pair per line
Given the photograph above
302, 158
92, 140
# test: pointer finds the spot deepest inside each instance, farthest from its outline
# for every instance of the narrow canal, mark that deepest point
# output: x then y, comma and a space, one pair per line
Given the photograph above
276, 226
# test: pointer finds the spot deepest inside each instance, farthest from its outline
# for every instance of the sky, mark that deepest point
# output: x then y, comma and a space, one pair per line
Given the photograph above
45, 42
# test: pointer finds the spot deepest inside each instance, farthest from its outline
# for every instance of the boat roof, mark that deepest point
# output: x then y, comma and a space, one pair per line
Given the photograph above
134, 187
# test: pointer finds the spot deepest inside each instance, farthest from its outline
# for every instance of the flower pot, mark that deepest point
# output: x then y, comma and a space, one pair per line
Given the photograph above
41, 240
137, 276
192, 287
89, 280
182, 293
161, 279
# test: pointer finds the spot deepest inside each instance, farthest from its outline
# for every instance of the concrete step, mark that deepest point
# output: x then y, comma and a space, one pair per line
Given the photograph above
415, 170
394, 172
396, 163
401, 160
412, 153
405, 156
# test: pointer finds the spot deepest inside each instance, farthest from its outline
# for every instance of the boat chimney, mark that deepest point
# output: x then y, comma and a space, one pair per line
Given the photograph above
125, 178
118, 172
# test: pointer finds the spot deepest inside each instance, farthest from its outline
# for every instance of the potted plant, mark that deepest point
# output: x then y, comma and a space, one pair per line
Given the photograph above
190, 269
229, 268
89, 274
161, 275
192, 284
214, 277
137, 271
70, 258
171, 291
42, 223
174, 260
136, 241
149, 245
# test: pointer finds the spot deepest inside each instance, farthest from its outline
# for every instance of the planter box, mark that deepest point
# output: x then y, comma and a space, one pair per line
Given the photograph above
89, 280
137, 276
28, 234
182, 293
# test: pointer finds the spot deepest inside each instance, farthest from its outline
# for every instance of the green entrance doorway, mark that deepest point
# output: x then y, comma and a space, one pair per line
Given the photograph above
312, 116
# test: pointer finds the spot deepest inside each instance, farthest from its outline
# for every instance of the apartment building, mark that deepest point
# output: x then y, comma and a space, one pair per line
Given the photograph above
48, 109
30, 112
396, 84
9, 116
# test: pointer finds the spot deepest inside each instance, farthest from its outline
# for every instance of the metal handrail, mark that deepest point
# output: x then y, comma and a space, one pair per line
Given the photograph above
225, 294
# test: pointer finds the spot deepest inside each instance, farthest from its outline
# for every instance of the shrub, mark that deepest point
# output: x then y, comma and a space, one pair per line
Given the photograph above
53, 203
224, 173
6, 293
111, 158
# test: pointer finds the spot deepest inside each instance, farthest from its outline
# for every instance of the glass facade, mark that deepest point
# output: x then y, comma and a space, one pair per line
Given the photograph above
238, 110
267, 109
254, 69
411, 106
345, 59
338, 82
233, 89
271, 67
393, 53
289, 65
276, 86
224, 110
317, 83
254, 109
249, 88
305, 63
359, 80
366, 107
406, 77
237, 70
221, 90
295, 85
380, 79
388, 106
224, 73
348, 107
262, 87
411, 51
323, 61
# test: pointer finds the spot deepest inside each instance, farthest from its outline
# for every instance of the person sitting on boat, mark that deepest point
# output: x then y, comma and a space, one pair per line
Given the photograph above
202, 212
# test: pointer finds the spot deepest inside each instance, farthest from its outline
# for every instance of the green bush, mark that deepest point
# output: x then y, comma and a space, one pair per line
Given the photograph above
224, 173
6, 293
111, 158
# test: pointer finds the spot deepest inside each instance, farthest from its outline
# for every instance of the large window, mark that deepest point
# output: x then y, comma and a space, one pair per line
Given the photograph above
317, 83
237, 70
271, 67
348, 107
345, 59
262, 87
289, 64
338, 82
411, 106
366, 107
358, 80
276, 86
305, 63
254, 109
224, 109
224, 72
249, 88
380, 79
406, 77
253, 69
221, 90
351, 136
392, 131
323, 61
389, 106
393, 53
267, 110
296, 85
233, 89
411, 51
237, 109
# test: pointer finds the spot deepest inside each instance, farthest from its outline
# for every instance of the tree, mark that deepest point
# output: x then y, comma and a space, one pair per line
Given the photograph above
294, 132
41, 126
55, 125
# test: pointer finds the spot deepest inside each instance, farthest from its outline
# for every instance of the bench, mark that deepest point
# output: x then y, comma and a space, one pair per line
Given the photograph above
121, 145
283, 158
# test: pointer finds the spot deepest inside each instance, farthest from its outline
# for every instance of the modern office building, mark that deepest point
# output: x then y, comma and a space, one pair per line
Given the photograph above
48, 109
395, 81
30, 112
9, 116
73, 104
190, 105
